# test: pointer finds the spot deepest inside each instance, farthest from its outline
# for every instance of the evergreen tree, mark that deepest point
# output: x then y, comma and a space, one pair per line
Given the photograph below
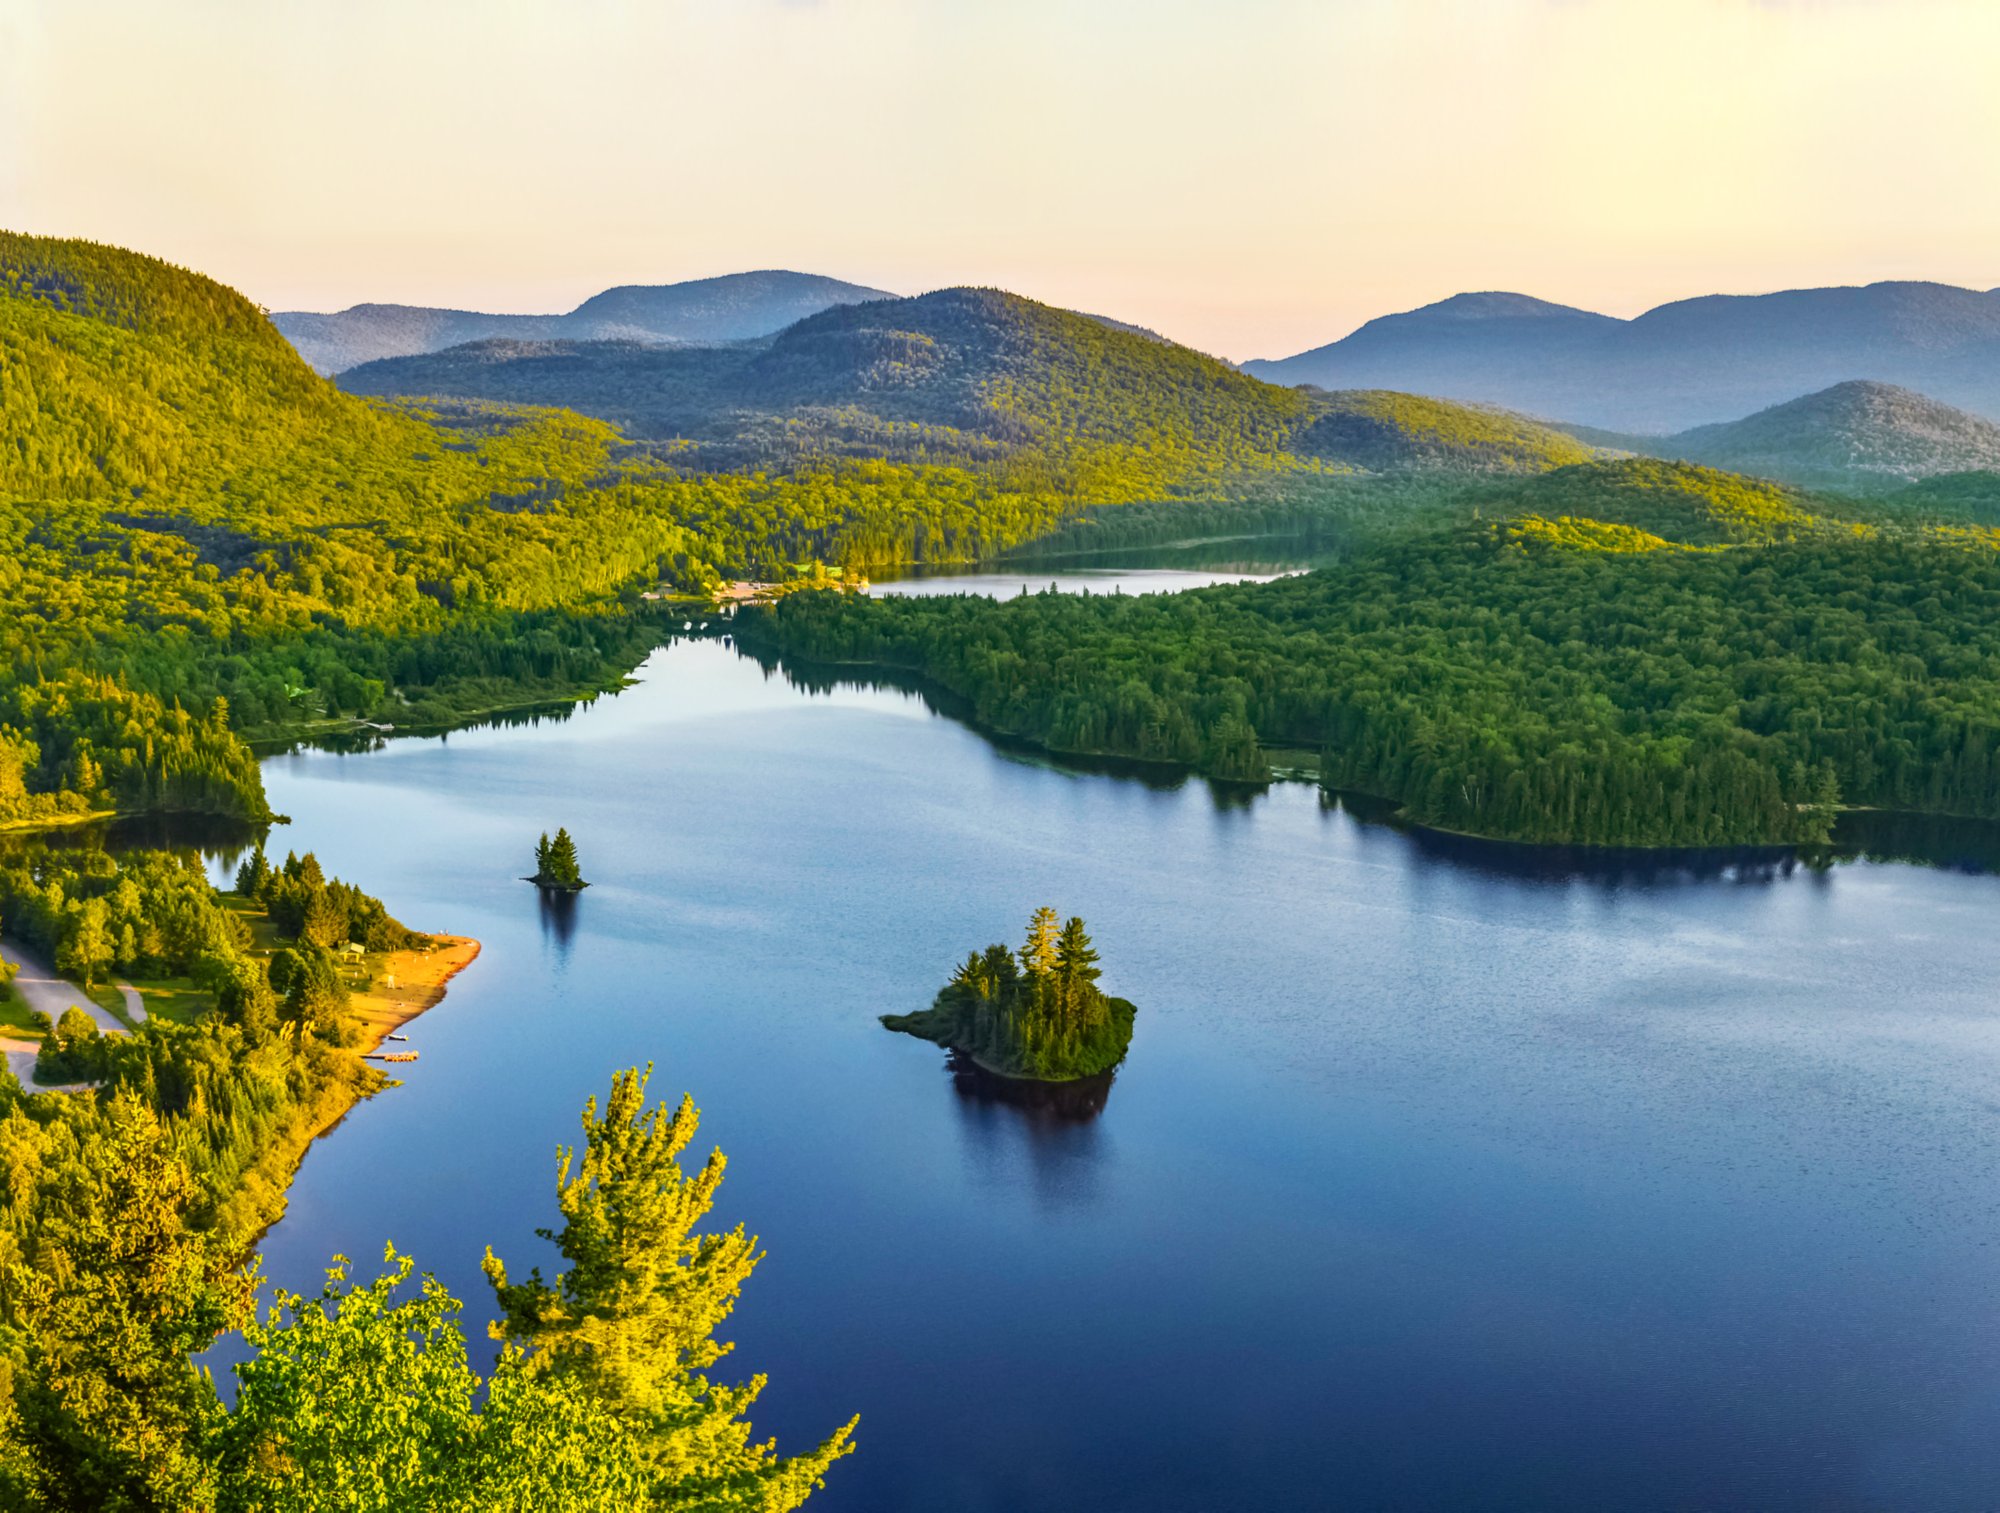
631, 1319
254, 874
562, 859
241, 988
555, 862
1050, 1022
1038, 954
314, 993
1076, 968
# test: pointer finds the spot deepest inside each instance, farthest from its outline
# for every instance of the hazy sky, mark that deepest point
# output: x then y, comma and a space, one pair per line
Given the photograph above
1250, 176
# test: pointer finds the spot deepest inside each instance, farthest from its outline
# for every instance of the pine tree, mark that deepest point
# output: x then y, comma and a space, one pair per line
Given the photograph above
563, 869
1038, 955
1076, 959
632, 1319
254, 874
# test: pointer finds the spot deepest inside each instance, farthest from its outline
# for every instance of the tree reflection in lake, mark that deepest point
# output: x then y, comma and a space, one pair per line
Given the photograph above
558, 911
1051, 1127
1074, 1102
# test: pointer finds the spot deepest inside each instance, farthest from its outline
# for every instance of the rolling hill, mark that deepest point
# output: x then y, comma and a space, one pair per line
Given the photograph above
968, 373
735, 307
1689, 363
1382, 432
1628, 651
1861, 437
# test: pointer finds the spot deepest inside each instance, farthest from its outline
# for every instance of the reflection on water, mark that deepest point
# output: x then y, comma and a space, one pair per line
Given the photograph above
1215, 559
1039, 1137
1008, 582
1951, 842
1961, 845
1609, 867
558, 911
222, 843
1261, 553
1946, 841
1042, 1103
1936, 840
363, 737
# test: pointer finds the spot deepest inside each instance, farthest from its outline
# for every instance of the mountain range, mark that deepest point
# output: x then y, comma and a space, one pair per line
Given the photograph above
735, 307
975, 374
965, 375
1690, 363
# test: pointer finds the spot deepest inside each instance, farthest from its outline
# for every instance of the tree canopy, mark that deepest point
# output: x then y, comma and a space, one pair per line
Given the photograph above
1036, 1013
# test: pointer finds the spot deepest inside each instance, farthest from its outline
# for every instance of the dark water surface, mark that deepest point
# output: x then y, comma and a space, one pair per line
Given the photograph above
1440, 1177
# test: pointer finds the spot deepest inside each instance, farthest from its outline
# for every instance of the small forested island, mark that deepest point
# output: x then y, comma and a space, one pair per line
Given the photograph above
1039, 1016
555, 864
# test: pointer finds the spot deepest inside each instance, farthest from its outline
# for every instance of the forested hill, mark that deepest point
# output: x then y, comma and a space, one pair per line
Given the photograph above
978, 375
200, 537
1633, 653
188, 514
118, 366
1388, 432
961, 372
734, 307
1862, 437
1972, 498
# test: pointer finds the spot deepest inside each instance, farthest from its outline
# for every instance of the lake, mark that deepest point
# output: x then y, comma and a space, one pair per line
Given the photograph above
1440, 1176
1069, 578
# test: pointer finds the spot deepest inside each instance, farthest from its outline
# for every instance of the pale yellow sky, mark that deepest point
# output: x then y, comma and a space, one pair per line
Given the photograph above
1250, 176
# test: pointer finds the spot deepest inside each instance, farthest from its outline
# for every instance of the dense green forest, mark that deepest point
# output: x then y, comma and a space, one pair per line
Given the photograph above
188, 514
1038, 1013
1634, 653
261, 1066
207, 541
129, 1212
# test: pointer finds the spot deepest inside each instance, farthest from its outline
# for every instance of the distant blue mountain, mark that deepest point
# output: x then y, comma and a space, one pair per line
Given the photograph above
1689, 363
735, 307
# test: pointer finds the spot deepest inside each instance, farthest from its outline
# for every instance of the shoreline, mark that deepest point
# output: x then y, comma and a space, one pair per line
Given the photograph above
261, 1200
423, 977
55, 821
1109, 763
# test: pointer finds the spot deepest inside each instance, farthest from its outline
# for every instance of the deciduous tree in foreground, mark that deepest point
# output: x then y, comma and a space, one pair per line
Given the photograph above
362, 1399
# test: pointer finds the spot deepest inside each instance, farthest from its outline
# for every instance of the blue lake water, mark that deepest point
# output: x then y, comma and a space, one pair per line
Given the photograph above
1440, 1177
1068, 578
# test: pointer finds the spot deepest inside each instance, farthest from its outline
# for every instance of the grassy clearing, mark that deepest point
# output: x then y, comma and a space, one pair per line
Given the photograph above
14, 1019
107, 997
174, 1000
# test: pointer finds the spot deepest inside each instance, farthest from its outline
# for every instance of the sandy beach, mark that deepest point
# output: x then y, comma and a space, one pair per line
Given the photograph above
420, 978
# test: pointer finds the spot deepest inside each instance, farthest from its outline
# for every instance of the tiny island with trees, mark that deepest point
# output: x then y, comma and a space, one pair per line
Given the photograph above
556, 867
1037, 1014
